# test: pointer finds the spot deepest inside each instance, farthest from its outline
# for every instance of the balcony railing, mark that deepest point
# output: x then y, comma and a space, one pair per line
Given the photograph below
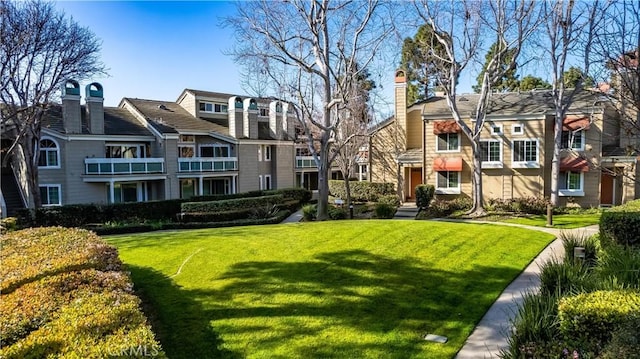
305, 162
207, 164
123, 166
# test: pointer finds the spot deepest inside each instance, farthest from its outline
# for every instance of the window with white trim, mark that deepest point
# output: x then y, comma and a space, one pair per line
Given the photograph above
50, 195
448, 182
260, 153
491, 153
267, 152
213, 107
525, 153
571, 184
187, 146
267, 182
496, 129
517, 129
116, 150
260, 184
49, 154
573, 140
448, 142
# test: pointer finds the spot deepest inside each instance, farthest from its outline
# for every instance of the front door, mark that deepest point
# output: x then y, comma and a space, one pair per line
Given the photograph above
416, 179
607, 182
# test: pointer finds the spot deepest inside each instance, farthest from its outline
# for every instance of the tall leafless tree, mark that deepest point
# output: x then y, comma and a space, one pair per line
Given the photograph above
569, 28
309, 49
459, 28
40, 49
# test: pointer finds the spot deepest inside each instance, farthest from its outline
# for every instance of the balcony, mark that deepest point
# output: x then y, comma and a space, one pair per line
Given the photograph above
123, 166
207, 164
305, 162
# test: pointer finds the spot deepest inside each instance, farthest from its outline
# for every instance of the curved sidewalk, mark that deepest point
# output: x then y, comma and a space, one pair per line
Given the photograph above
491, 333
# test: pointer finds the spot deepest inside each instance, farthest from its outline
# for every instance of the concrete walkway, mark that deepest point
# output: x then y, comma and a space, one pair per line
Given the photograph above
407, 210
491, 333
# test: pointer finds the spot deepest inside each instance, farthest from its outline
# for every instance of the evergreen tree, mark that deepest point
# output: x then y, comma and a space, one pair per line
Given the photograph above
531, 82
573, 75
509, 81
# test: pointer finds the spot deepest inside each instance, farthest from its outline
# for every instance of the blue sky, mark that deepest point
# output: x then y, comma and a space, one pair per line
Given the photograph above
154, 50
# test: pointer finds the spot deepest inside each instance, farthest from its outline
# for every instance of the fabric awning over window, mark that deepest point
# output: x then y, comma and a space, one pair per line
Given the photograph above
572, 123
442, 127
571, 164
453, 164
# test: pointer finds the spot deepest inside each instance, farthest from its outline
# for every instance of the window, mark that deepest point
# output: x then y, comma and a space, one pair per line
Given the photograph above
267, 182
573, 140
571, 183
49, 154
187, 138
491, 154
496, 129
126, 150
260, 182
186, 146
525, 154
259, 153
188, 188
50, 195
448, 182
264, 112
517, 129
216, 151
213, 107
267, 153
448, 142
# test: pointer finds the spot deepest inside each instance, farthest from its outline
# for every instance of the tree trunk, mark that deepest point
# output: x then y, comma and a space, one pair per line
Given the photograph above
347, 188
478, 205
323, 180
555, 160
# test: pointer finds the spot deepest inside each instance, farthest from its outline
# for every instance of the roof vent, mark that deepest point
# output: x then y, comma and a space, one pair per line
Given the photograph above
162, 107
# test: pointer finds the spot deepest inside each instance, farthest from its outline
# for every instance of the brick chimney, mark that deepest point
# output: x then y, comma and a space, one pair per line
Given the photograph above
94, 100
71, 113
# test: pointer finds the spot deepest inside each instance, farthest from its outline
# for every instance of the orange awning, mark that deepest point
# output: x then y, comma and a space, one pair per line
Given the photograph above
453, 164
572, 123
442, 127
572, 164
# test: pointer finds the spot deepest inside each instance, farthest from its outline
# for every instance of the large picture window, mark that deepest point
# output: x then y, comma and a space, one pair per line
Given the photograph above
491, 154
215, 151
49, 154
448, 142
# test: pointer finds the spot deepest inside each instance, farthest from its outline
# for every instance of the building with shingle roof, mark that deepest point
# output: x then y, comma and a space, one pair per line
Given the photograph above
423, 144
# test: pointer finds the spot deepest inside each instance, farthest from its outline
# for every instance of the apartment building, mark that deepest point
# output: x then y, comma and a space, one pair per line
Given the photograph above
142, 150
423, 144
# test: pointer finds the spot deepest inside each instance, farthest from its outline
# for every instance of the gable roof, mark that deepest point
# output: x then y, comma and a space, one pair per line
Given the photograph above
169, 117
117, 121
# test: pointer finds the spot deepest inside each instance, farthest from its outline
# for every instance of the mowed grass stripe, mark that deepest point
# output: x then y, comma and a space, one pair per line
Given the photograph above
343, 289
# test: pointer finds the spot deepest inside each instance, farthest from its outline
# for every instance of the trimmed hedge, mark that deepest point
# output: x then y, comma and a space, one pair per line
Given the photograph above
70, 299
230, 204
621, 224
591, 318
385, 211
361, 191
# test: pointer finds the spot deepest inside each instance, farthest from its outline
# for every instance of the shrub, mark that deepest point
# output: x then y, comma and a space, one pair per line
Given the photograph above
70, 298
535, 329
230, 204
8, 224
443, 208
587, 320
309, 212
424, 195
336, 213
361, 191
300, 194
390, 199
263, 212
625, 342
619, 267
385, 211
573, 240
221, 216
621, 227
563, 277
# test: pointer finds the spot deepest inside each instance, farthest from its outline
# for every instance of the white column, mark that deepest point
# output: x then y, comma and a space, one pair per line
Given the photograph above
234, 178
112, 195
200, 184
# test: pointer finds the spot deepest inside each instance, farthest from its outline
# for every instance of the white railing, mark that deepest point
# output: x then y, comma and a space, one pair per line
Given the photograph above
207, 164
305, 162
123, 166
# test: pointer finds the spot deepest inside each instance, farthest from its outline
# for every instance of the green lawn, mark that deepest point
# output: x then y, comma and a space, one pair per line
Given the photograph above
342, 289
563, 221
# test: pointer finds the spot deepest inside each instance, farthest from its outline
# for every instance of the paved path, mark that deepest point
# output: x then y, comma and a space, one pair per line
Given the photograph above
407, 210
490, 335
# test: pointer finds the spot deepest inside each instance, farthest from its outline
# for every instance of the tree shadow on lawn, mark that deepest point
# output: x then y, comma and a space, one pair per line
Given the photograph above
179, 321
369, 295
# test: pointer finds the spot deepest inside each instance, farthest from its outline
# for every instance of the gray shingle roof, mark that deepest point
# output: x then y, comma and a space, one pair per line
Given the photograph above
511, 103
169, 117
117, 121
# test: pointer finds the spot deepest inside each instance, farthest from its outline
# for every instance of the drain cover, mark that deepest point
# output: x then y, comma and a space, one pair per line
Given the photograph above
435, 338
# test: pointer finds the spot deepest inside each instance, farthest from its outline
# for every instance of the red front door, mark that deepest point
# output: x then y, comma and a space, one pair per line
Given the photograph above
416, 179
